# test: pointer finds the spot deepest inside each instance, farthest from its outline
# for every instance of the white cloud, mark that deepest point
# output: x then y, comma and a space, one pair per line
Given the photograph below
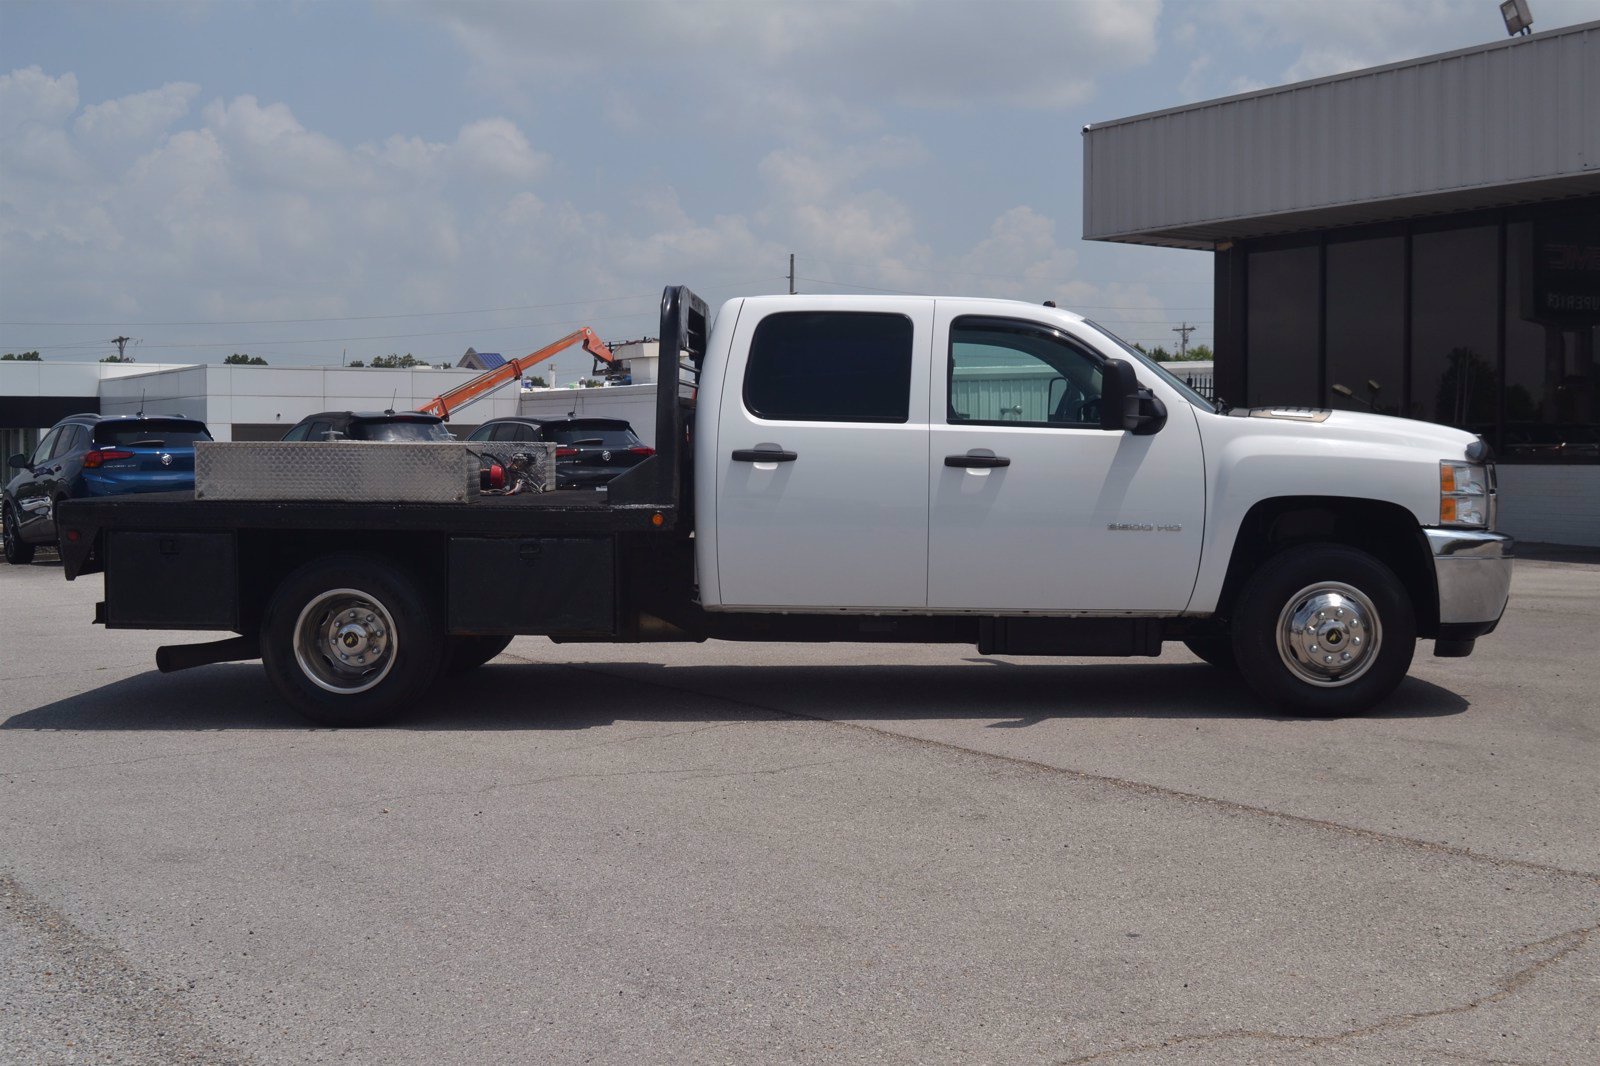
32, 97
269, 145
789, 62
138, 117
497, 148
1021, 245
822, 170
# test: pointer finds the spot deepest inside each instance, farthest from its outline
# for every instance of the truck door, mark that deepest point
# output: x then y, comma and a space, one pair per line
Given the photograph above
1034, 507
822, 453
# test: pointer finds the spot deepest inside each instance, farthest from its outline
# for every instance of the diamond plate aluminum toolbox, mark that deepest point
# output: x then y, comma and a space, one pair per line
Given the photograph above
352, 471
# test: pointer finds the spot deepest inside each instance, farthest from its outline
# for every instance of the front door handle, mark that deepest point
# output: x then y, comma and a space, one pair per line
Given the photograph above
982, 462
763, 455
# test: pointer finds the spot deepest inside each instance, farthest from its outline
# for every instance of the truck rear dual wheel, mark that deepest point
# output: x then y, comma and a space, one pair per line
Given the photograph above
350, 640
1324, 630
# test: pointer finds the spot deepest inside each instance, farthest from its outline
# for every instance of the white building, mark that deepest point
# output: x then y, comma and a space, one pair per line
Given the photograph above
235, 402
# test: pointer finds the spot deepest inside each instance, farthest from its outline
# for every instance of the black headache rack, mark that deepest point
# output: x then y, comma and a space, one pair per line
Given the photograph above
660, 480
651, 497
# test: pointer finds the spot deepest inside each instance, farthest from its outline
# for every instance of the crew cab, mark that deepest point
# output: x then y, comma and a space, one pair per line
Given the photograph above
867, 468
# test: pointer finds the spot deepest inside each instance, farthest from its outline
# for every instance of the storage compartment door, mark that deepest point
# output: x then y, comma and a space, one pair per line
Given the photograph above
171, 581
532, 585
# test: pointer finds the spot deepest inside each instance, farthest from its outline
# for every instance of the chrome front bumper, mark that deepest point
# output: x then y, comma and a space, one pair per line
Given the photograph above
1473, 571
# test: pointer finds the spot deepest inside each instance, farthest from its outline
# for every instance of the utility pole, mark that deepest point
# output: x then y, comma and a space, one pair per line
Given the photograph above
791, 273
122, 345
1184, 330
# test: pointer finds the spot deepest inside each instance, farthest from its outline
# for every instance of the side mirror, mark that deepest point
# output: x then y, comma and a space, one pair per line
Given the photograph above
20, 462
1126, 406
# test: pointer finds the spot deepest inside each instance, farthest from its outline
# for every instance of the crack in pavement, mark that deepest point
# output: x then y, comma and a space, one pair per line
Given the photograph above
110, 997
1124, 784
1565, 944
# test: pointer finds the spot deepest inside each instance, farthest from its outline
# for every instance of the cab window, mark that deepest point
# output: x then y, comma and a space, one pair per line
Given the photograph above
1008, 372
830, 366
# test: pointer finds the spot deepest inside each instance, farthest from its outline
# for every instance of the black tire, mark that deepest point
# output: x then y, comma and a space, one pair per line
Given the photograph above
1323, 630
18, 552
361, 610
465, 653
1217, 650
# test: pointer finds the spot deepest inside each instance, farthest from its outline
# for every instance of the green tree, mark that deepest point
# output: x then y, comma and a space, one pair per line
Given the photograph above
21, 357
241, 359
537, 382
117, 359
1199, 353
397, 362
357, 362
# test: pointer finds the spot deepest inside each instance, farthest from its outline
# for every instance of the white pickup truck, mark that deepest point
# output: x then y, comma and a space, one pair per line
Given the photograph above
866, 468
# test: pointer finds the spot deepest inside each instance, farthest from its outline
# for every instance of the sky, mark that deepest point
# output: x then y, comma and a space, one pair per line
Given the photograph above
317, 181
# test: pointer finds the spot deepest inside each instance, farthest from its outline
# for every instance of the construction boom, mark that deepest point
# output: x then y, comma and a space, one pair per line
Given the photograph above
513, 369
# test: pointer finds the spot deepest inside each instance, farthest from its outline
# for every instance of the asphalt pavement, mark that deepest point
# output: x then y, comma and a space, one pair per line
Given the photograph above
730, 853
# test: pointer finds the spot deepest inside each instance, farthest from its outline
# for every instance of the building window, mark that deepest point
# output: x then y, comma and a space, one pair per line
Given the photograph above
1284, 293
1455, 275
1552, 322
830, 366
1366, 324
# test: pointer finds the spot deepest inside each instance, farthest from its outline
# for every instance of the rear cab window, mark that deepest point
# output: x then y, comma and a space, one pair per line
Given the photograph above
830, 366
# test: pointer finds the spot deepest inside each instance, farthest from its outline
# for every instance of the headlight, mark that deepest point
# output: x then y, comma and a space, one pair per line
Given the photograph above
1465, 494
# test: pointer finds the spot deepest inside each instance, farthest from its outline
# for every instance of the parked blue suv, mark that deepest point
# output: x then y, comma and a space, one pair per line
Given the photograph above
93, 455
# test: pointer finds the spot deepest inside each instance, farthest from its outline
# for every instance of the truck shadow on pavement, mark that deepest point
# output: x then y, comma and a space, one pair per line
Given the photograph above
521, 695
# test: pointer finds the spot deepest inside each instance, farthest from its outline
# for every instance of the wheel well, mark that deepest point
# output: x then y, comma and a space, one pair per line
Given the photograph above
272, 555
1383, 530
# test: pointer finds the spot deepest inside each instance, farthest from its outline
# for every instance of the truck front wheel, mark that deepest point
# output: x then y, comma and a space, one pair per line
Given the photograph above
350, 641
1324, 630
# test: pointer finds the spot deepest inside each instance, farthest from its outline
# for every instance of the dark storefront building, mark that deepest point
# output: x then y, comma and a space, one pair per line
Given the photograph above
1421, 239
1485, 320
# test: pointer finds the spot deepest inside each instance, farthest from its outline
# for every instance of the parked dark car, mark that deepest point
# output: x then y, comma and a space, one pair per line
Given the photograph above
589, 451
94, 455
369, 425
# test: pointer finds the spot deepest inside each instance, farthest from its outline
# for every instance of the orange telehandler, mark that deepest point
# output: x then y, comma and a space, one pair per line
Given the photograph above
513, 369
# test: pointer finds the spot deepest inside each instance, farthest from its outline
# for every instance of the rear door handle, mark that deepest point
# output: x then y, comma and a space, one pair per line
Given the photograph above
763, 455
978, 461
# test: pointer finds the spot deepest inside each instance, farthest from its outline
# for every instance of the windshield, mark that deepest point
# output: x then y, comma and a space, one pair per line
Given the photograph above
150, 433
402, 431
1161, 371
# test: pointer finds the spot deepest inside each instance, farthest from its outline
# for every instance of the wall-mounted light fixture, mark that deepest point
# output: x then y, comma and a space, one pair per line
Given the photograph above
1518, 18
